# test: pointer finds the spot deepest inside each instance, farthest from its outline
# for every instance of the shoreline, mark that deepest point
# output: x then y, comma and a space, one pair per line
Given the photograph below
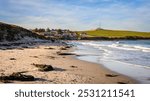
104, 71
109, 53
102, 66
67, 69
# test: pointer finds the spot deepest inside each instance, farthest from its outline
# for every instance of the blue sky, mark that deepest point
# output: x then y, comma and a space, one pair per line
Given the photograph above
77, 14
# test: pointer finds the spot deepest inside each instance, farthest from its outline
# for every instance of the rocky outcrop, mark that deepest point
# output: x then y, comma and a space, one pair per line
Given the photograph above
10, 32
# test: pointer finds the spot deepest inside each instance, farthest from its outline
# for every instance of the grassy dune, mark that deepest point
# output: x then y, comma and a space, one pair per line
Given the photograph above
116, 34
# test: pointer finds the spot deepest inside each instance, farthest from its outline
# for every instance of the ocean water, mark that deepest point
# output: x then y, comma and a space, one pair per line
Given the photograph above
127, 57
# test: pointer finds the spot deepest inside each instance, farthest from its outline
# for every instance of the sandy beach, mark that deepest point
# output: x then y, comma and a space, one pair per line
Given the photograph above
67, 69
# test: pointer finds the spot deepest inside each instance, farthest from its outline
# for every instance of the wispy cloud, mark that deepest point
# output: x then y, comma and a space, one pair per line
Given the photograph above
78, 15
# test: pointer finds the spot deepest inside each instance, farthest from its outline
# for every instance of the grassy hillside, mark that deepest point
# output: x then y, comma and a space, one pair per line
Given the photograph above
115, 33
10, 32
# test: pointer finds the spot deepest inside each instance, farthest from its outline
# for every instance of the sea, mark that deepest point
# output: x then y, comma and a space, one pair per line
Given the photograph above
127, 57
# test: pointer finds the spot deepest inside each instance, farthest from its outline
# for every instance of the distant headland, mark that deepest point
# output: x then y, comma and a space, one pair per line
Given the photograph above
11, 32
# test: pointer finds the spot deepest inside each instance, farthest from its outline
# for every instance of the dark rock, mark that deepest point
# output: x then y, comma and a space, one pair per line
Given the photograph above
63, 48
6, 81
122, 83
58, 52
18, 77
66, 53
20, 48
13, 33
5, 44
74, 66
25, 47
68, 46
111, 75
12, 59
49, 48
44, 67
34, 56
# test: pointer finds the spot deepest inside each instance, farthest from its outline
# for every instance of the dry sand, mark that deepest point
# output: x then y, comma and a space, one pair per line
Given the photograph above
68, 70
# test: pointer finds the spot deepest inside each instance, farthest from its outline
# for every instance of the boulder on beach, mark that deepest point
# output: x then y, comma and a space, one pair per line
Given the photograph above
59, 53
17, 77
44, 67
111, 75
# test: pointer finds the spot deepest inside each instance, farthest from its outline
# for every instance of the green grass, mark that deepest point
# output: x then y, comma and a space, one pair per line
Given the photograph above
115, 33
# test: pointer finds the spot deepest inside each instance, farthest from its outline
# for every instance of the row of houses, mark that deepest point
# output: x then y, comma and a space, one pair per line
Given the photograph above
67, 36
61, 34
